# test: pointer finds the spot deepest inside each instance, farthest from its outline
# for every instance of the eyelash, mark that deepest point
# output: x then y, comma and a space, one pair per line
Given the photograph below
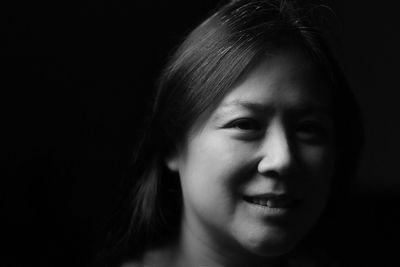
245, 124
311, 131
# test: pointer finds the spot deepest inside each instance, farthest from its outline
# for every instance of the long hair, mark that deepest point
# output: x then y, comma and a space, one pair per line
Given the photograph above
198, 75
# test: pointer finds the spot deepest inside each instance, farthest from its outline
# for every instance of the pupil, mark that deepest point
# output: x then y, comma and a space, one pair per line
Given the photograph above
246, 125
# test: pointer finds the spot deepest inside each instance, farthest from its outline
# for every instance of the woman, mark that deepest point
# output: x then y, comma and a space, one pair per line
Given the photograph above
247, 146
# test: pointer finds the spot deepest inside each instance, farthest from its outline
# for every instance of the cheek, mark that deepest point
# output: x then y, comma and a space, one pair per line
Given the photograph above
210, 170
318, 163
211, 157
318, 160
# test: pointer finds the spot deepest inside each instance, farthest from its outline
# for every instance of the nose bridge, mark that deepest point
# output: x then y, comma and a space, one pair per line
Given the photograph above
276, 154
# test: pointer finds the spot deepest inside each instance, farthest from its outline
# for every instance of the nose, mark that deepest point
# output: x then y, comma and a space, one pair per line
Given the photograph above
276, 155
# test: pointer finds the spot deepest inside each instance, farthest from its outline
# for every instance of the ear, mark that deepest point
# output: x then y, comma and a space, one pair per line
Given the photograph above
172, 162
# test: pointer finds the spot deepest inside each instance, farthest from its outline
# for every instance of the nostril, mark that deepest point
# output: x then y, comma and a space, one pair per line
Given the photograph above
271, 173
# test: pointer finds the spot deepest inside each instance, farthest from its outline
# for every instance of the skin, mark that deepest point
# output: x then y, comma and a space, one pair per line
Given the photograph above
272, 133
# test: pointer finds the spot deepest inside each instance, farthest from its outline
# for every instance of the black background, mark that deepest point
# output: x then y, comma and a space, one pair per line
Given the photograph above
74, 77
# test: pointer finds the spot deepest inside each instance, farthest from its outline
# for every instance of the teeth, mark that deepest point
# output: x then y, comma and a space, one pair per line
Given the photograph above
278, 203
262, 202
273, 202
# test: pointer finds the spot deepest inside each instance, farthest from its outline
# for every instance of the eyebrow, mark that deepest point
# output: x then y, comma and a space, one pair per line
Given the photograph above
248, 105
302, 108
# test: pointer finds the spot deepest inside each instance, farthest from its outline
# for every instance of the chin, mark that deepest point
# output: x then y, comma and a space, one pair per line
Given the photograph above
272, 246
273, 250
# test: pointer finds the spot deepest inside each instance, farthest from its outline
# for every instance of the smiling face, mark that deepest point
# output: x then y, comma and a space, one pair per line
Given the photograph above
255, 174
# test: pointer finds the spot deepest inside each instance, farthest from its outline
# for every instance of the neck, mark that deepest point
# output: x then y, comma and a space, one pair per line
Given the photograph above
195, 248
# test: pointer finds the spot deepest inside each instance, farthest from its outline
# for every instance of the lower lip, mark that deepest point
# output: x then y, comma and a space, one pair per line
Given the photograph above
262, 210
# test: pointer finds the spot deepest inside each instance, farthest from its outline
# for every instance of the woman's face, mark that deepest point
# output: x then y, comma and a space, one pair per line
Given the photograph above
255, 174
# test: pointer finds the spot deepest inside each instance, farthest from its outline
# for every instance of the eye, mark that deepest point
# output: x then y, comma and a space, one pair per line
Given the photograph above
246, 124
312, 131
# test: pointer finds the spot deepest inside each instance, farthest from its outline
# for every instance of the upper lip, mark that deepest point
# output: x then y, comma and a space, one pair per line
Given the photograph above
269, 195
273, 195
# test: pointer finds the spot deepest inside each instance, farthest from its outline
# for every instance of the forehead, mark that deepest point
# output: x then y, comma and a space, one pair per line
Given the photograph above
288, 78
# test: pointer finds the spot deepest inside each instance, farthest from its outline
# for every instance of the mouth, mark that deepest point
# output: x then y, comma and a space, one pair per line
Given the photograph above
275, 201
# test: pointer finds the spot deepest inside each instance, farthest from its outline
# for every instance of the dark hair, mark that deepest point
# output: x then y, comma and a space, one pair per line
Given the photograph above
201, 71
